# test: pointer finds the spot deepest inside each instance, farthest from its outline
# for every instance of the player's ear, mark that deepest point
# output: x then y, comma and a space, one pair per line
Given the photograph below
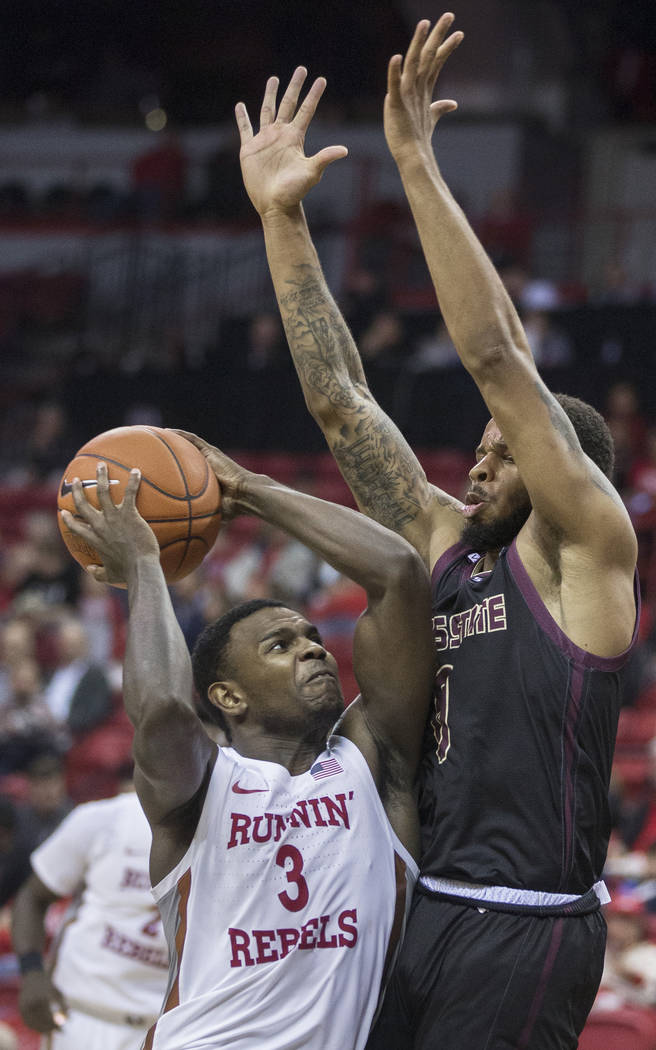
229, 698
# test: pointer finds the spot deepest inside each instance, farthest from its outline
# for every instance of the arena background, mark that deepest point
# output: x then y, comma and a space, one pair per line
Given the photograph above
134, 288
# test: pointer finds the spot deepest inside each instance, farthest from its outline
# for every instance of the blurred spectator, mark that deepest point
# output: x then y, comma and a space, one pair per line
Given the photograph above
37, 442
104, 616
296, 574
50, 445
363, 297
633, 810
615, 287
630, 962
227, 199
46, 803
641, 477
27, 727
434, 350
527, 292
49, 577
265, 342
383, 342
159, 179
505, 230
550, 345
14, 852
188, 600
628, 426
17, 643
79, 693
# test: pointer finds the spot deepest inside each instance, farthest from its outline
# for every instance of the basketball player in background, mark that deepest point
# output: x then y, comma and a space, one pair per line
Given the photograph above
534, 606
282, 864
105, 982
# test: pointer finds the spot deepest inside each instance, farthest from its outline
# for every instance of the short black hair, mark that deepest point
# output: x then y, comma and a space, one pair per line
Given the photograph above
209, 658
592, 431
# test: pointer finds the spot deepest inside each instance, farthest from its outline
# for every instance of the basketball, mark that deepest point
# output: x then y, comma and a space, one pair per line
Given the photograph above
179, 495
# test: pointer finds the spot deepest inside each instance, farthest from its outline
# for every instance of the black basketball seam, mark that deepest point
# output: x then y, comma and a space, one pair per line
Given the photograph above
188, 499
166, 444
144, 481
181, 539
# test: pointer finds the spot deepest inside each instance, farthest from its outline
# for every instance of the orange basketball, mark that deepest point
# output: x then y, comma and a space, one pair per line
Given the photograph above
179, 495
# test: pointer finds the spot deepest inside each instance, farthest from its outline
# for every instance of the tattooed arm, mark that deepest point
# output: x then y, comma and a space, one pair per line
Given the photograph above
577, 545
385, 477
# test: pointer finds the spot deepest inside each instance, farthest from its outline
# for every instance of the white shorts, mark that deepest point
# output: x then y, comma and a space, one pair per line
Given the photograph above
82, 1032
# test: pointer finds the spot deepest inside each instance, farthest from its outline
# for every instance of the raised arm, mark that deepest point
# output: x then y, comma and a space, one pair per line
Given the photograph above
173, 754
384, 475
569, 495
393, 651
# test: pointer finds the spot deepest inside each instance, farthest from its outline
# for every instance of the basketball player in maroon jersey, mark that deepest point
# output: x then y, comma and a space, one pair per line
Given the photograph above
534, 602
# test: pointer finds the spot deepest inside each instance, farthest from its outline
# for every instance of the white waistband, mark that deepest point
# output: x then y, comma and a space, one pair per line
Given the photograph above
106, 1013
505, 894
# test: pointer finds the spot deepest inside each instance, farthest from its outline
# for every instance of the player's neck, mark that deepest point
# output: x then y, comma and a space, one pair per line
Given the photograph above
295, 755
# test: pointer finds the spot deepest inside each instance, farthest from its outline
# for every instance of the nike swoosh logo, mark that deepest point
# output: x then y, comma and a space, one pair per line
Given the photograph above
246, 791
67, 486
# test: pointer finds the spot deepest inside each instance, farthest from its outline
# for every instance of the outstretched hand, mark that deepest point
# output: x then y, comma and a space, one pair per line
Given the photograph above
277, 174
410, 115
117, 532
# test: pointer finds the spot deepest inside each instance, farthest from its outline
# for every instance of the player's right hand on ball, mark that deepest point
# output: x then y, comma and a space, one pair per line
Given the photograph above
41, 1004
231, 476
118, 533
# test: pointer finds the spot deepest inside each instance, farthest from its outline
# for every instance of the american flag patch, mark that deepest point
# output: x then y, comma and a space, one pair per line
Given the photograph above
326, 768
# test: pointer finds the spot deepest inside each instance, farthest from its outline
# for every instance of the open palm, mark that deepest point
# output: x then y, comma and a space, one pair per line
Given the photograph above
276, 172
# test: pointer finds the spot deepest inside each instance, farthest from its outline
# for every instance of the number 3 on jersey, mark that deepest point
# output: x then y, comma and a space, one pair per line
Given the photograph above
441, 729
294, 876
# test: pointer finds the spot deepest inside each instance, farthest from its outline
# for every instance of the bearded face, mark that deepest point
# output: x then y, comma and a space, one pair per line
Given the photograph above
492, 534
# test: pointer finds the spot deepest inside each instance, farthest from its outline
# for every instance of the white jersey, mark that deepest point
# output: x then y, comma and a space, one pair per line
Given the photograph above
285, 911
111, 956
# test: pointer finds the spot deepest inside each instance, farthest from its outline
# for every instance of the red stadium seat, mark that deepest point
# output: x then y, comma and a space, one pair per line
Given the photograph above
629, 1028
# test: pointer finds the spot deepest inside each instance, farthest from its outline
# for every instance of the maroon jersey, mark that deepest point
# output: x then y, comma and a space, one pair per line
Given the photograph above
514, 786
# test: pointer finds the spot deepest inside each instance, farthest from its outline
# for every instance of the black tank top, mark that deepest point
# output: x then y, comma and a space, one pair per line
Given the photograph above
514, 785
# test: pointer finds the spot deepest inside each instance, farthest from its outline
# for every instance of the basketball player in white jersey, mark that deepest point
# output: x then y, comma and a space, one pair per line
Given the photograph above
282, 864
107, 977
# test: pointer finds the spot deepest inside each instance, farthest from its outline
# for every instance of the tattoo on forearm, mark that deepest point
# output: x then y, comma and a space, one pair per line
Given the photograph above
384, 476
324, 353
379, 467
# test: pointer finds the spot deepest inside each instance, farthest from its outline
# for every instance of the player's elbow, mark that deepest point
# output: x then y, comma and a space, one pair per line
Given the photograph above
406, 572
330, 407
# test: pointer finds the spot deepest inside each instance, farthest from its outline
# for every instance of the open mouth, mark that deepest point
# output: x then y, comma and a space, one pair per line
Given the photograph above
472, 505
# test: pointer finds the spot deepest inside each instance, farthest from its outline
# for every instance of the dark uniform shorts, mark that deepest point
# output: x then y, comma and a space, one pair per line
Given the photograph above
468, 979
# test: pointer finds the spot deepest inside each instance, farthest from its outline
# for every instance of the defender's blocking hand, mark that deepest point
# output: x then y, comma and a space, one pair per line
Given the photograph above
410, 115
277, 174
